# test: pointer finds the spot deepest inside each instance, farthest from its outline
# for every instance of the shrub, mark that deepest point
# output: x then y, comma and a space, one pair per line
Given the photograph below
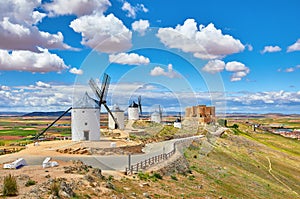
54, 188
173, 177
191, 177
143, 176
157, 176
30, 183
10, 187
110, 178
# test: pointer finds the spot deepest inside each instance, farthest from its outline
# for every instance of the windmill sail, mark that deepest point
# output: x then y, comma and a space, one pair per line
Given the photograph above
102, 94
140, 104
160, 112
41, 133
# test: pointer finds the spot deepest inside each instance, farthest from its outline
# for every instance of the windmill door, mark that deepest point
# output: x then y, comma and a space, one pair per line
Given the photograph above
86, 135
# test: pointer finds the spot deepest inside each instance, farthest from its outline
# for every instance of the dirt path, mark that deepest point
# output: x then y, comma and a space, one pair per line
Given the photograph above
270, 172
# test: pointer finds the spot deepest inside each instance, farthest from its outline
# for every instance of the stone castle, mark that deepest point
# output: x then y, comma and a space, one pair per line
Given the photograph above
204, 114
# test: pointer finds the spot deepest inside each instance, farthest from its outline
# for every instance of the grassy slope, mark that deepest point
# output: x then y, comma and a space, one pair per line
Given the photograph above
236, 167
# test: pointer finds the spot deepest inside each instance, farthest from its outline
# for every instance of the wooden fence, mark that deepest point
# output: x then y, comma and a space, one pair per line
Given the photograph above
155, 159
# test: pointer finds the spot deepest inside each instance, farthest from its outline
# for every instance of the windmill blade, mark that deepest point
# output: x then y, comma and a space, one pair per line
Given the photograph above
108, 110
160, 111
140, 104
104, 87
95, 89
41, 133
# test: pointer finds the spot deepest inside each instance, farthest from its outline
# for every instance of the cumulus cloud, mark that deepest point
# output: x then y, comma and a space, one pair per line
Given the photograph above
204, 42
31, 61
159, 71
132, 10
130, 59
41, 84
18, 30
76, 71
140, 26
214, 66
271, 49
294, 47
239, 69
103, 33
76, 7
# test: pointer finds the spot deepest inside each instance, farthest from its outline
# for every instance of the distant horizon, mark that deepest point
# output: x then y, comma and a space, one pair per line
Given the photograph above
3, 113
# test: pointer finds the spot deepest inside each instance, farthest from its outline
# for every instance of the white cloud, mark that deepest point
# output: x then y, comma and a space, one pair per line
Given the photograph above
291, 69
4, 88
294, 47
131, 59
77, 7
76, 71
103, 33
214, 66
250, 47
271, 49
140, 26
18, 30
132, 10
239, 69
31, 61
42, 84
205, 42
159, 71
235, 66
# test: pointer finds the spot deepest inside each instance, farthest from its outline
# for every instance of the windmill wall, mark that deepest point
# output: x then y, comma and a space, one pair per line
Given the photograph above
119, 115
133, 113
155, 117
85, 124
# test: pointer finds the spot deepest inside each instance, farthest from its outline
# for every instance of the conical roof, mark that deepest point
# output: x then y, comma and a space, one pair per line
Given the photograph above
116, 108
133, 104
86, 102
155, 113
177, 120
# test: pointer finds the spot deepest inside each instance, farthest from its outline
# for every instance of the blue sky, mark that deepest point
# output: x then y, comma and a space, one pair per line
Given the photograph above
241, 56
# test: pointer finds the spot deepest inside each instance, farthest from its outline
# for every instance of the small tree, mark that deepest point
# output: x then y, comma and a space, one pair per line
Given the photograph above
235, 126
10, 187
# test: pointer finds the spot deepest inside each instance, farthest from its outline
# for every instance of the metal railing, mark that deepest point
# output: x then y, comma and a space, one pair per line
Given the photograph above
155, 159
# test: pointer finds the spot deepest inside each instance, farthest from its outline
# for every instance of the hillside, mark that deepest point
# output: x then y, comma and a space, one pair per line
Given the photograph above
240, 164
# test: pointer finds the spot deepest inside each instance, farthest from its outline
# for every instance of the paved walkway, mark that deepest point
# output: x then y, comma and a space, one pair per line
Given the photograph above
113, 162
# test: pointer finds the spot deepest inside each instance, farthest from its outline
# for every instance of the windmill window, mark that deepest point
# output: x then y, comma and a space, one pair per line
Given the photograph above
82, 111
85, 123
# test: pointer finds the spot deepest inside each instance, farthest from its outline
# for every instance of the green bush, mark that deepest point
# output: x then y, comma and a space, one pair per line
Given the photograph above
54, 188
157, 176
30, 183
143, 176
10, 186
147, 176
173, 177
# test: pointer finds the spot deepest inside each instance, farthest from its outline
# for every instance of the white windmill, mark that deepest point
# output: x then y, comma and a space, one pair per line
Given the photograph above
156, 116
134, 109
86, 113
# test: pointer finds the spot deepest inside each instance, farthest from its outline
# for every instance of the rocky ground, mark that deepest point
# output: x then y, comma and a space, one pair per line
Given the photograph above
68, 180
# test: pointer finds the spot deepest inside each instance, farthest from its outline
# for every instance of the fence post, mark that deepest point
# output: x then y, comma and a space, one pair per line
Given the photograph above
129, 161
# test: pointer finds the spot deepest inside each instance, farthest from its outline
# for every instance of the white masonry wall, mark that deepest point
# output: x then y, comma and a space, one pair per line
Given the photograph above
85, 124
